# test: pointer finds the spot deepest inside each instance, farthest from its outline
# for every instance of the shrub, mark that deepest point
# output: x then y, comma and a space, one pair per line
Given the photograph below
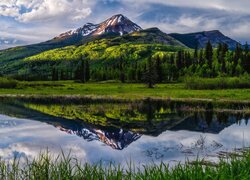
7, 83
217, 83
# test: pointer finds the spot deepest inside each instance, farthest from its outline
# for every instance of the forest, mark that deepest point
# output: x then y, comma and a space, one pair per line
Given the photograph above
104, 60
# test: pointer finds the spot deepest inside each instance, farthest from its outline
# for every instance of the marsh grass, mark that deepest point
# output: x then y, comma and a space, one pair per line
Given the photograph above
66, 167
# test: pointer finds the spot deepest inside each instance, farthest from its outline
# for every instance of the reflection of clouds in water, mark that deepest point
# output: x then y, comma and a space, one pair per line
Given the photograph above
179, 145
29, 138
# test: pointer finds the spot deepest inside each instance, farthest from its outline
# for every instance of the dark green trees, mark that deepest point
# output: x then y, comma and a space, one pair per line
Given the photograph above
165, 65
150, 74
55, 74
222, 50
82, 72
209, 54
159, 69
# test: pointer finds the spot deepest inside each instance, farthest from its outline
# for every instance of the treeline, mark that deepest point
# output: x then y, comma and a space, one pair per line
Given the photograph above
208, 62
81, 72
158, 66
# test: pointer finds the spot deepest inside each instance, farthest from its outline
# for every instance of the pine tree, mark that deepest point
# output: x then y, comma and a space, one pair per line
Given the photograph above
150, 76
138, 74
219, 52
201, 57
237, 53
62, 75
179, 60
246, 48
246, 58
121, 69
222, 56
195, 60
80, 71
53, 74
239, 70
209, 54
159, 70
87, 70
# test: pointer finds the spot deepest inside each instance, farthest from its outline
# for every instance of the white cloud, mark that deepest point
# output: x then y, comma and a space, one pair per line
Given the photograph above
9, 11
34, 21
188, 21
45, 10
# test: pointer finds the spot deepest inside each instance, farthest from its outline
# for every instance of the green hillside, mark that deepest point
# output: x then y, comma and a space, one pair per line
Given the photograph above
23, 63
137, 57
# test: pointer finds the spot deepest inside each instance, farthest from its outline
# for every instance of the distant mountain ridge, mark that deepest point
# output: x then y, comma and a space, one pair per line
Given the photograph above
200, 39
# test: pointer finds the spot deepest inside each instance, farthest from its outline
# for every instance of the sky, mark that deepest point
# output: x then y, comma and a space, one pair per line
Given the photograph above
32, 21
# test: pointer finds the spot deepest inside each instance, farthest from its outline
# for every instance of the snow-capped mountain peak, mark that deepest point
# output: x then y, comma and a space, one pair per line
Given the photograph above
117, 24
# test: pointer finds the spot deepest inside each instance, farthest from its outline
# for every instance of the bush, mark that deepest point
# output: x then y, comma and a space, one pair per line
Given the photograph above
217, 83
7, 83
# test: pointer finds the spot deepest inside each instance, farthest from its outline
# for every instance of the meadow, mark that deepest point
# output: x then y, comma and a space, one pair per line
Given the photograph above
117, 90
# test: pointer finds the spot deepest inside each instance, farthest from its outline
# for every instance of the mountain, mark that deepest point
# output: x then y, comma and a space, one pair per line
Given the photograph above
103, 44
200, 39
149, 36
118, 28
116, 25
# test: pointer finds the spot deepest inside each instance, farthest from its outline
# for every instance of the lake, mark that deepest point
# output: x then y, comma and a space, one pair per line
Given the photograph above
142, 133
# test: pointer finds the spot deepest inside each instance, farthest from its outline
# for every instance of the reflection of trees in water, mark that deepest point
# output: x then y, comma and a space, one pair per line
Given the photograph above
209, 117
163, 115
150, 117
246, 121
222, 117
209, 121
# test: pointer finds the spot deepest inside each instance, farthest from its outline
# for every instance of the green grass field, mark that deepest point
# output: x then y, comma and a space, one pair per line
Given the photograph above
124, 91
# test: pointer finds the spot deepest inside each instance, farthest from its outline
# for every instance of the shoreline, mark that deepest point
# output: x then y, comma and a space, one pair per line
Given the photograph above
198, 104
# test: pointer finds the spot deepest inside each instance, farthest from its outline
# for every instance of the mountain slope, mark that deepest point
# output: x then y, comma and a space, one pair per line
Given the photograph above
149, 36
117, 25
200, 39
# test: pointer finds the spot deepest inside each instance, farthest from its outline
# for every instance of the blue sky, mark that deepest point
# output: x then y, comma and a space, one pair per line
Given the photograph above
31, 21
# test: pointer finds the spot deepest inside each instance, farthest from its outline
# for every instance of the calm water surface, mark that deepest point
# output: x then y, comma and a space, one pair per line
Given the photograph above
159, 134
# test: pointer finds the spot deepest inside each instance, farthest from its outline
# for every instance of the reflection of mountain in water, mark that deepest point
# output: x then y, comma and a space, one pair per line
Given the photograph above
116, 138
119, 134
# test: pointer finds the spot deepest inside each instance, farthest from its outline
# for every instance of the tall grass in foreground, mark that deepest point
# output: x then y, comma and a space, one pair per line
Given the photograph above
64, 167
218, 83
